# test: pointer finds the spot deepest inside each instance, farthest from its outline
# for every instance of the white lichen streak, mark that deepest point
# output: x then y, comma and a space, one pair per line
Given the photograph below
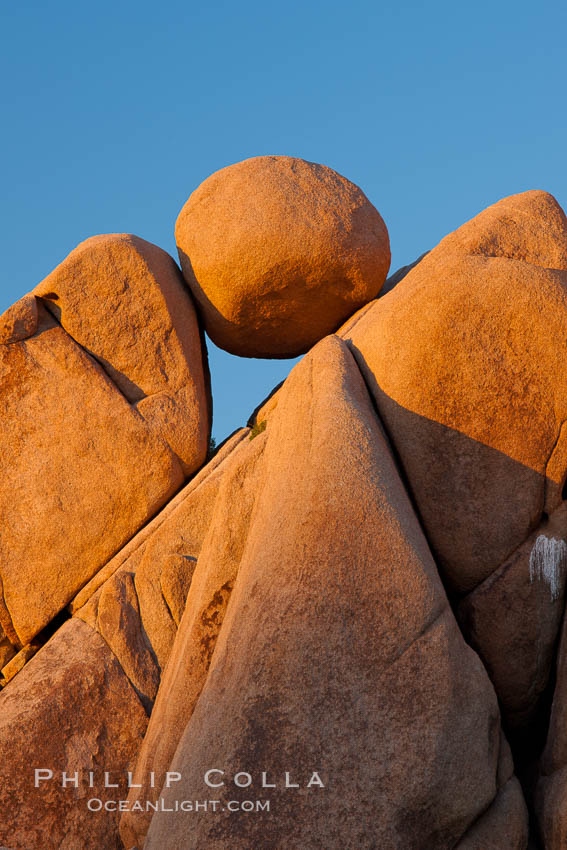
547, 561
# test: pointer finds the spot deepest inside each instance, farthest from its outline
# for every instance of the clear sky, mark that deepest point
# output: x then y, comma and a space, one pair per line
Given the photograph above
113, 112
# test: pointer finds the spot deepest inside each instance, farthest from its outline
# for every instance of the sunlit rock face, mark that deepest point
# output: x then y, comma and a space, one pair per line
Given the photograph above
123, 300
82, 703
366, 668
278, 252
104, 413
466, 362
465, 358
357, 601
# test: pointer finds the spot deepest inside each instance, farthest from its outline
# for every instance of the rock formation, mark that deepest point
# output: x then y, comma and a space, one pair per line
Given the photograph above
72, 710
104, 414
278, 252
354, 610
367, 660
453, 357
122, 299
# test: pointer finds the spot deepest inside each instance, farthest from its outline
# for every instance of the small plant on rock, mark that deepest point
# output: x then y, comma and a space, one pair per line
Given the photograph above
257, 428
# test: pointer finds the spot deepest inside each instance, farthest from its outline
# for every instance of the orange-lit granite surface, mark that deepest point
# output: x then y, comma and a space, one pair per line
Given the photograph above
353, 608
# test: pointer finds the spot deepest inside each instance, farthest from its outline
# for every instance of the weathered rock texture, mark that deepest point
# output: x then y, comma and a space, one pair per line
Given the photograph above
208, 598
139, 606
181, 524
7, 649
278, 252
124, 301
551, 791
512, 619
82, 703
503, 825
20, 321
454, 356
104, 411
81, 472
338, 653
70, 709
283, 613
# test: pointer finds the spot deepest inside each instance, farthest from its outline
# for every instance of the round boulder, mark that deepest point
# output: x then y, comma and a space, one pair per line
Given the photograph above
278, 252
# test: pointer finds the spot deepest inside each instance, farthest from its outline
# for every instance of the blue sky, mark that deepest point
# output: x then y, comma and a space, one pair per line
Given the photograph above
113, 112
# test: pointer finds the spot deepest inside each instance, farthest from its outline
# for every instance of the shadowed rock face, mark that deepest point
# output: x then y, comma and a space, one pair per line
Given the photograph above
551, 789
518, 648
465, 360
502, 825
278, 252
70, 709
